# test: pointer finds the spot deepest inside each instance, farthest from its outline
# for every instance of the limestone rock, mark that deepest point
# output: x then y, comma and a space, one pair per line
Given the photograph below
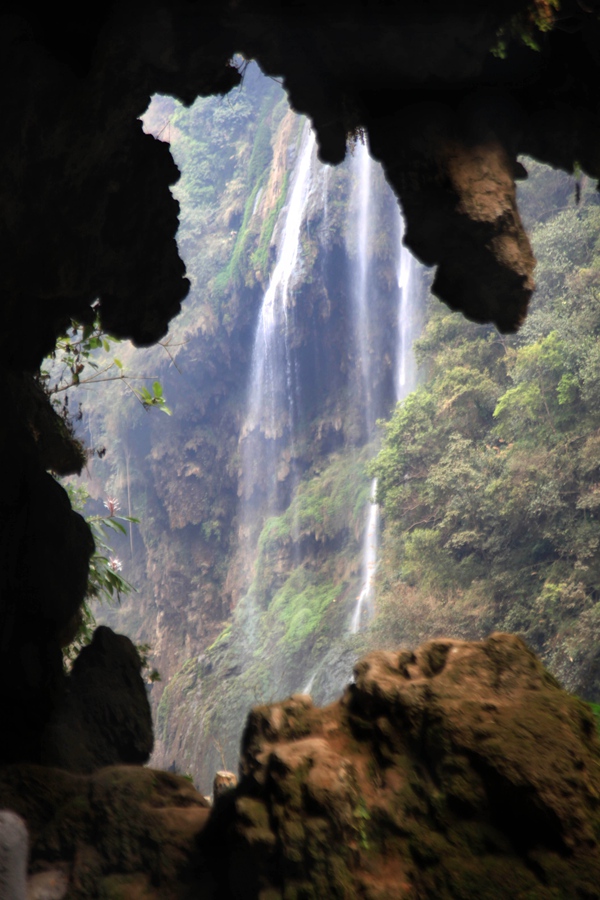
223, 782
459, 770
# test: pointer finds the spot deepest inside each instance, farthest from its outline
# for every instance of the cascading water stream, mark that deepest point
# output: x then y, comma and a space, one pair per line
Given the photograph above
406, 371
405, 377
362, 166
274, 384
364, 609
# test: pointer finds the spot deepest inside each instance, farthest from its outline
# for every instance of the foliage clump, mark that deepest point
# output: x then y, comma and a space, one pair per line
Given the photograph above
489, 474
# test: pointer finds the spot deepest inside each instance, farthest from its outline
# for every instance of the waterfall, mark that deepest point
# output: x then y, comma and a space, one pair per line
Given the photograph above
267, 440
405, 374
361, 207
308, 686
364, 608
362, 166
406, 370
274, 389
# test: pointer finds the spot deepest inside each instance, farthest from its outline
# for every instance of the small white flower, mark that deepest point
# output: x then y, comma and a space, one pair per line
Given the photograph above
112, 505
115, 564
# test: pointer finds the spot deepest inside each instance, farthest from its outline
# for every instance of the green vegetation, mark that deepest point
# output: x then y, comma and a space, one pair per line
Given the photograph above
527, 26
77, 361
105, 582
490, 472
300, 605
325, 504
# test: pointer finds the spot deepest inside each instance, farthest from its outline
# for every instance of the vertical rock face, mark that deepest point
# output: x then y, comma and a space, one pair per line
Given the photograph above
44, 552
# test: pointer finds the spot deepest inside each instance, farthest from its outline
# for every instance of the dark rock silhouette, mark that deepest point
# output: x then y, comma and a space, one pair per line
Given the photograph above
104, 716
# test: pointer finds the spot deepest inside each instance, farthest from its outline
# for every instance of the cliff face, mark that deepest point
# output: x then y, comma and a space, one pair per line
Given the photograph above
256, 522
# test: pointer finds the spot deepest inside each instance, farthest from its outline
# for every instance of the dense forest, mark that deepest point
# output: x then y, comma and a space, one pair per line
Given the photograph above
487, 472
489, 475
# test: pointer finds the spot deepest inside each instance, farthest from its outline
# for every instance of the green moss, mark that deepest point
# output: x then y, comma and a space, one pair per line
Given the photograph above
222, 640
596, 710
260, 258
276, 531
362, 818
258, 170
301, 604
325, 505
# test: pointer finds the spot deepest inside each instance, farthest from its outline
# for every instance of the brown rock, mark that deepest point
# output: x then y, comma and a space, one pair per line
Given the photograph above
459, 770
223, 782
123, 832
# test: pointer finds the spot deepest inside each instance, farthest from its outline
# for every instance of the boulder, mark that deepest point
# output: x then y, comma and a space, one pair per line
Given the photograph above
459, 770
104, 717
124, 831
223, 781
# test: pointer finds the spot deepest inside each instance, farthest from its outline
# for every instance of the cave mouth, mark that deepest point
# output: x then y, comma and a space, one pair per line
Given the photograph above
176, 474
348, 369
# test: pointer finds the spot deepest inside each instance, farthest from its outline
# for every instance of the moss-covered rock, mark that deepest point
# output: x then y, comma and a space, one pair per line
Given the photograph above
461, 770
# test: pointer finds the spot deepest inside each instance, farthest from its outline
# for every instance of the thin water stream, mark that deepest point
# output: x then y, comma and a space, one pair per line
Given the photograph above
406, 373
274, 389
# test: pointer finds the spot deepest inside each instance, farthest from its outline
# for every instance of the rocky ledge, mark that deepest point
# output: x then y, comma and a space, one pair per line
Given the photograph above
459, 770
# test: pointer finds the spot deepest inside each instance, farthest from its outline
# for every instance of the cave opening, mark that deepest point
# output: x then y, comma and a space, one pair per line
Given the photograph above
485, 474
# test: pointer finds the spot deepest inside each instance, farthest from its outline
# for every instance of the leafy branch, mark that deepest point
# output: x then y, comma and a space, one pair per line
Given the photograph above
105, 582
75, 362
